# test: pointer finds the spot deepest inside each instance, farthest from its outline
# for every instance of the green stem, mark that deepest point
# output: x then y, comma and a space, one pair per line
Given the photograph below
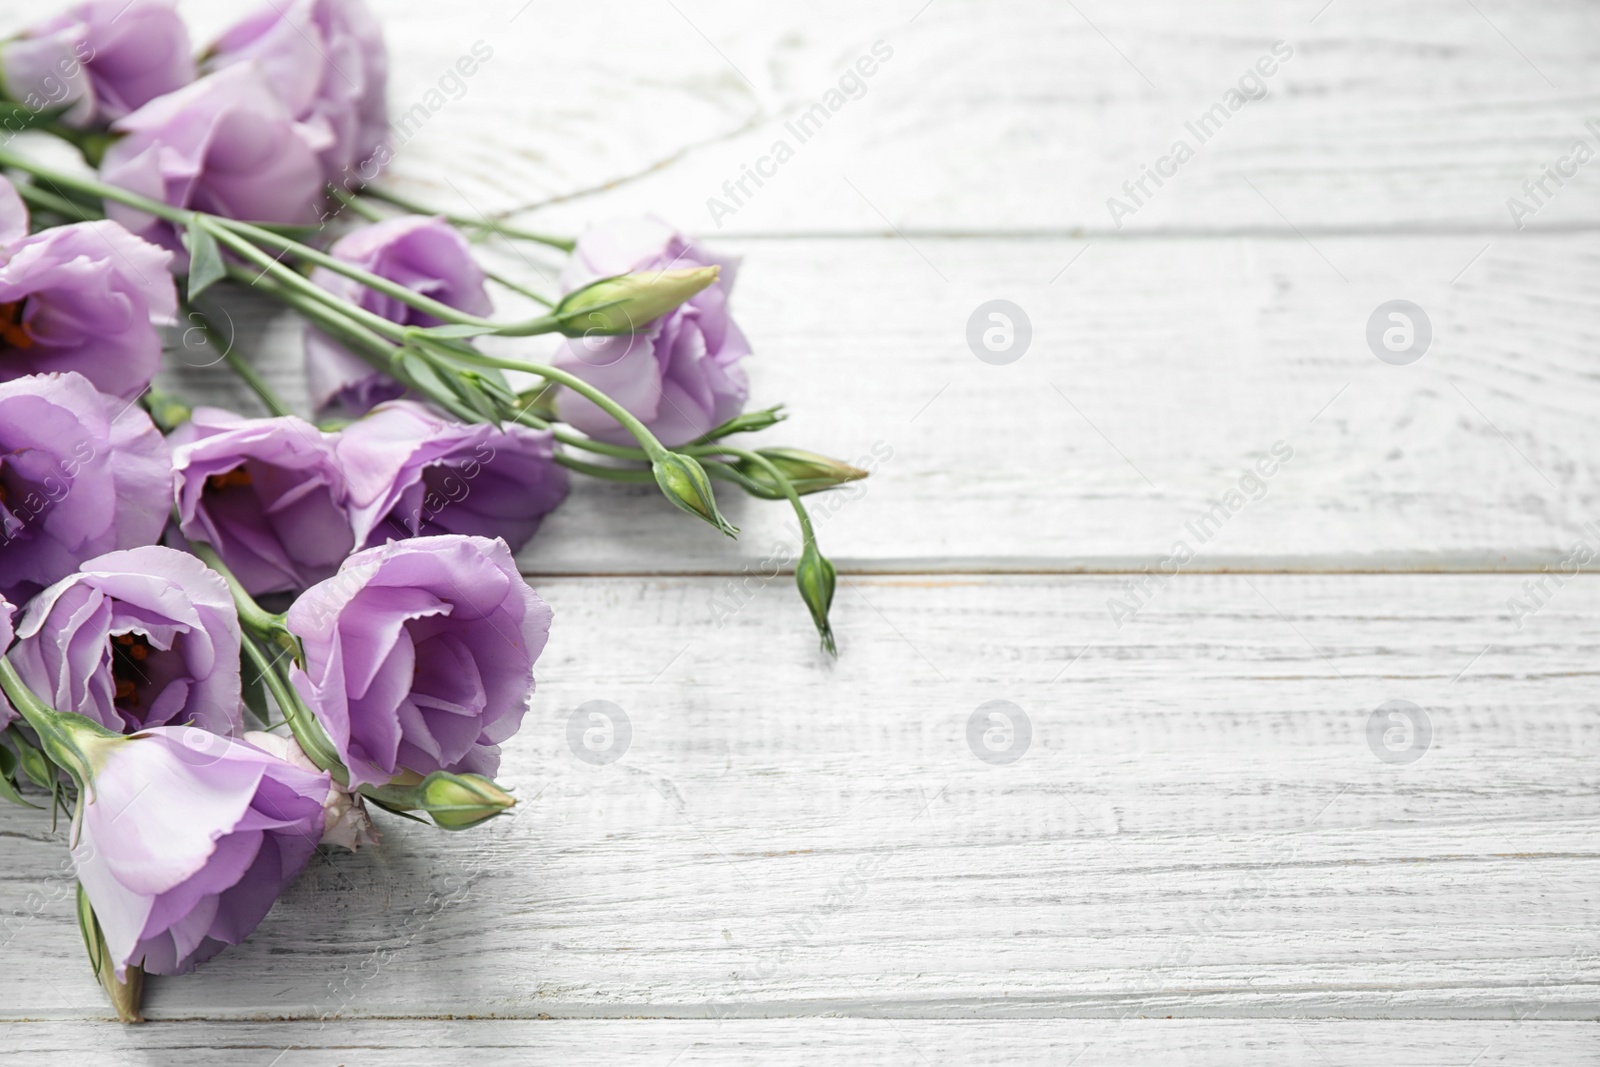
565, 244
630, 422
95, 188
240, 366
783, 484
62, 735
517, 287
243, 237
294, 280
308, 732
377, 283
252, 616
67, 209
353, 202
632, 475
376, 351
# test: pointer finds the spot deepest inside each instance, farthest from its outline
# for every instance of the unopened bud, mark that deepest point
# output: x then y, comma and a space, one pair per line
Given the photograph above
629, 302
684, 482
457, 801
808, 472
815, 576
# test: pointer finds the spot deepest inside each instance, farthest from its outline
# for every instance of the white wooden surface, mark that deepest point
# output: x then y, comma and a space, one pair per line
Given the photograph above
1199, 858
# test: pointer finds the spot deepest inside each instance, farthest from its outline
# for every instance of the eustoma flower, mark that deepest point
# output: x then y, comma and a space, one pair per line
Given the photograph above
414, 472
680, 375
140, 638
185, 839
427, 256
100, 59
326, 61
419, 656
81, 473
344, 816
267, 494
85, 298
223, 145
8, 614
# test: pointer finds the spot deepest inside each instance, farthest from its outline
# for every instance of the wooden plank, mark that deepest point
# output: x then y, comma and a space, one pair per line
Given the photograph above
1159, 373
1200, 826
812, 1041
1426, 115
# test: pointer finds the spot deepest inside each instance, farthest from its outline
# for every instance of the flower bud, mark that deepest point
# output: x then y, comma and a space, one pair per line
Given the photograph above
629, 302
815, 576
684, 482
125, 995
808, 472
457, 801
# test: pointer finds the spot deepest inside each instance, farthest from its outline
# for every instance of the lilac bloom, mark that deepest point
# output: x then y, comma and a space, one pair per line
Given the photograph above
144, 637
325, 59
7, 613
184, 841
100, 59
419, 655
85, 298
413, 472
680, 375
81, 474
344, 815
427, 256
267, 494
223, 145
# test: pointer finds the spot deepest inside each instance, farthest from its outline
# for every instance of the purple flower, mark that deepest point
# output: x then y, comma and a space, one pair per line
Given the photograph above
85, 298
424, 254
419, 655
81, 474
224, 145
266, 494
344, 815
412, 472
326, 61
186, 839
140, 638
104, 58
7, 613
680, 375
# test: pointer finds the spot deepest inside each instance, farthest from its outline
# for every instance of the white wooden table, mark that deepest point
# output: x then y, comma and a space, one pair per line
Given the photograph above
1202, 855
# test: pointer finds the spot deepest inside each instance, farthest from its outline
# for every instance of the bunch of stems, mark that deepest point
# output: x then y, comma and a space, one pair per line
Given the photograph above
437, 363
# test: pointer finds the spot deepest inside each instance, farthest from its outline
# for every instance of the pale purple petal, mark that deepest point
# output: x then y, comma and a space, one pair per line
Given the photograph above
419, 655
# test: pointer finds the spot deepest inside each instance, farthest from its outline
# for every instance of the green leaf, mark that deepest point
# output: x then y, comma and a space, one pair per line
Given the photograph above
8, 772
423, 373
205, 259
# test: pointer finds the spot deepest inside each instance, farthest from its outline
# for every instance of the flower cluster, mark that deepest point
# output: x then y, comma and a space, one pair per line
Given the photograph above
345, 577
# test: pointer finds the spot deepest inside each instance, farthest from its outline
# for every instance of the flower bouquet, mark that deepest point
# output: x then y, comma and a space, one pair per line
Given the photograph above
171, 576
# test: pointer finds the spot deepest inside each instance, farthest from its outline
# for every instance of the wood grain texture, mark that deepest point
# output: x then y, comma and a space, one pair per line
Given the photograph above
1198, 1043
1422, 115
1201, 855
1159, 373
1198, 828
